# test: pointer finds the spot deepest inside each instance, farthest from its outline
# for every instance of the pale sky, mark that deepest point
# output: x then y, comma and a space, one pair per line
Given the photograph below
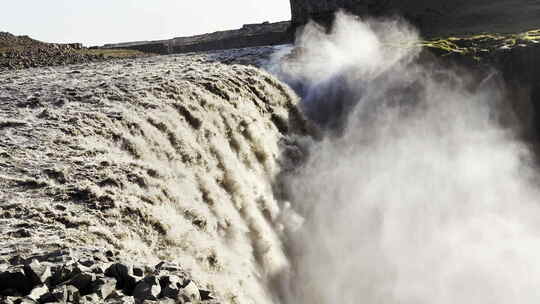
95, 22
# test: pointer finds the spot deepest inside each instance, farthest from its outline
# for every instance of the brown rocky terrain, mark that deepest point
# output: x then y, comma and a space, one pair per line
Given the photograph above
19, 52
250, 35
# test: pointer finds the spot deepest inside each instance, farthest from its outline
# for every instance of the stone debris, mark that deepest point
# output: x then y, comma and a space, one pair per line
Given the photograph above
21, 52
46, 282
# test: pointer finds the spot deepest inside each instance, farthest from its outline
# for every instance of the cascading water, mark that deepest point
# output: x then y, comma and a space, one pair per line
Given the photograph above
408, 190
416, 192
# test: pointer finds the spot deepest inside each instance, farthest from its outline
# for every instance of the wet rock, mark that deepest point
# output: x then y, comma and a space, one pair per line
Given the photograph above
87, 262
165, 266
38, 293
16, 260
83, 282
104, 287
91, 298
191, 291
138, 271
59, 256
101, 268
117, 295
122, 300
25, 301
167, 301
66, 293
10, 292
13, 281
206, 295
123, 275
147, 289
63, 273
38, 273
8, 300
170, 286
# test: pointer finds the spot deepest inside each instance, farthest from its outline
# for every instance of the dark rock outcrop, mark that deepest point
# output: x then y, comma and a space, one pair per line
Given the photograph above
512, 57
249, 35
21, 52
432, 17
31, 282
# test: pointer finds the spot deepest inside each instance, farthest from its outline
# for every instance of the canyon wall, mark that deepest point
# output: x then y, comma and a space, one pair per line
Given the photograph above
432, 17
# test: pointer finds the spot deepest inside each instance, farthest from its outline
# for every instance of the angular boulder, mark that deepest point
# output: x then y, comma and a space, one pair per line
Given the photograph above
38, 273
147, 289
14, 281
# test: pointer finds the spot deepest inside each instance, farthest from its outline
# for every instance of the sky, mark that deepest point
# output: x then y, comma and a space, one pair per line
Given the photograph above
96, 22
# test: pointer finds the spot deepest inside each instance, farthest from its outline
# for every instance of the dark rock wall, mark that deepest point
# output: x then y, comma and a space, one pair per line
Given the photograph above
250, 35
151, 48
323, 10
275, 38
432, 17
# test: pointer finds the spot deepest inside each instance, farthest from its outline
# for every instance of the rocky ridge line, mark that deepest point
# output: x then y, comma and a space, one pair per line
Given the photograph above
21, 52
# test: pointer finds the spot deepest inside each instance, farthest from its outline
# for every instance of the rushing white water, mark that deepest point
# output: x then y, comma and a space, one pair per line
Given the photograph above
416, 193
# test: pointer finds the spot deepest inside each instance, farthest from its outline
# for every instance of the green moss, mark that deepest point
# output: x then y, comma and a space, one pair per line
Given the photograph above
475, 45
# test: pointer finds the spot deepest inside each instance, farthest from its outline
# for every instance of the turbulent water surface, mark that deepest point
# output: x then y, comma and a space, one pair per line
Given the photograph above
170, 158
406, 189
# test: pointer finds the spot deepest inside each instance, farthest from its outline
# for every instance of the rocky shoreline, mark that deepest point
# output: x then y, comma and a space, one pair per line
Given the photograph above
94, 276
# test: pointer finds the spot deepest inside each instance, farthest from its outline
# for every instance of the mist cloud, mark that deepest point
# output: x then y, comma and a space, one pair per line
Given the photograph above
422, 196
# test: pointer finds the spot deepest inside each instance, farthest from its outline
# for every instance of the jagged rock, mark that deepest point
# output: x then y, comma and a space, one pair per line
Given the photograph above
15, 280
61, 274
87, 262
191, 291
138, 271
147, 289
101, 268
38, 293
65, 293
117, 296
10, 292
167, 301
83, 282
60, 293
122, 300
165, 266
206, 295
58, 256
25, 301
123, 275
103, 287
16, 260
91, 298
8, 300
170, 286
38, 273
